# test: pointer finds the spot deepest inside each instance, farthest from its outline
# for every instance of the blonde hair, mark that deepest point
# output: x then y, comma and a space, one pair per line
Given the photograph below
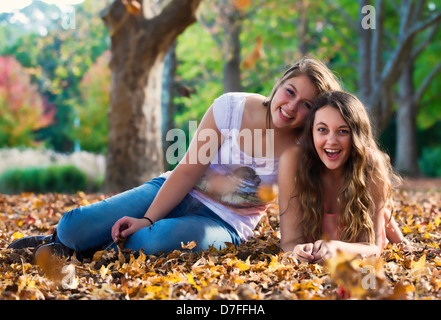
366, 168
317, 72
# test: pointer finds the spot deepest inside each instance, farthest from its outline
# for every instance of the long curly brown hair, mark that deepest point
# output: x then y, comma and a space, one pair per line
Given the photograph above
366, 168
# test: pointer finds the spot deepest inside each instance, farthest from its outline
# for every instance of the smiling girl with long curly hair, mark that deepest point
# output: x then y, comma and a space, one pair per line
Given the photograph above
338, 195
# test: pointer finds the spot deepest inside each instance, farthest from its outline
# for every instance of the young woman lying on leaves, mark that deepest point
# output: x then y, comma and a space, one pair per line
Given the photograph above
335, 187
193, 202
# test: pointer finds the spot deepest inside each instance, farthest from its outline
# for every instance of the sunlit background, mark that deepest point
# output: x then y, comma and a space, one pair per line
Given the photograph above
55, 78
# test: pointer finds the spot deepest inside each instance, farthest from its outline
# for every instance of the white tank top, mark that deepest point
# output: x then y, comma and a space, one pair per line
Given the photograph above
233, 184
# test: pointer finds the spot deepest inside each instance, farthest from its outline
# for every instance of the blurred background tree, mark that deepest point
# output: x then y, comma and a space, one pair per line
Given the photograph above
91, 127
141, 35
22, 110
57, 56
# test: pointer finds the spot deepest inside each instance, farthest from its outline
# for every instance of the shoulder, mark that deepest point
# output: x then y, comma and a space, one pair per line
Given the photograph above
254, 112
237, 96
380, 176
289, 159
254, 102
254, 98
232, 100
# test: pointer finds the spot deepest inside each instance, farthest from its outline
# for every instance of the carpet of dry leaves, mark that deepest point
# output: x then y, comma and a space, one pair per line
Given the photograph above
256, 270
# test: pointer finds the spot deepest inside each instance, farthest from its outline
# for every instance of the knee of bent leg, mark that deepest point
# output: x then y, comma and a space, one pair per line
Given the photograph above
69, 229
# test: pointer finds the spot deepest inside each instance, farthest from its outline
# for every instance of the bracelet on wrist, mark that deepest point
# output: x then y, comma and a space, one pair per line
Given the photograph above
150, 220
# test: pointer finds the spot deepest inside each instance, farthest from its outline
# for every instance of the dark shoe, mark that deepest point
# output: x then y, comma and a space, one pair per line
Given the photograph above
30, 242
55, 248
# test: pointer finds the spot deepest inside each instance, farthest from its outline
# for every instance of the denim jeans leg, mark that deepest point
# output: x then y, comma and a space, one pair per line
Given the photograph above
167, 235
90, 226
190, 221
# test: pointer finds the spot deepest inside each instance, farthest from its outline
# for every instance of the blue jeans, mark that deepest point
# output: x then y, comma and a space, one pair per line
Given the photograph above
89, 227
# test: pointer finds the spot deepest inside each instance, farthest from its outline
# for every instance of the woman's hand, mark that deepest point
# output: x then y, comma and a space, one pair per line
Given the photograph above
323, 250
127, 226
315, 252
304, 252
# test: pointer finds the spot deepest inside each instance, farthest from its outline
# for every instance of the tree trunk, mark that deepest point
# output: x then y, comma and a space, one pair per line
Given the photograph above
364, 49
139, 45
223, 19
231, 51
406, 156
168, 108
376, 83
302, 26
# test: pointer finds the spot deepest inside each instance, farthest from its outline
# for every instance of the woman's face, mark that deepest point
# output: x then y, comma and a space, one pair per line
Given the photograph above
292, 103
332, 137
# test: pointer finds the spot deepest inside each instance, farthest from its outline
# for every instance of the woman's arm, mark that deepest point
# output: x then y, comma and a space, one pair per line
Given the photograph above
291, 232
324, 250
182, 179
393, 231
381, 198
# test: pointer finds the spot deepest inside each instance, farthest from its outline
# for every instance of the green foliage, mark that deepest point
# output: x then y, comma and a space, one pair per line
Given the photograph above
92, 129
430, 104
62, 179
430, 162
57, 63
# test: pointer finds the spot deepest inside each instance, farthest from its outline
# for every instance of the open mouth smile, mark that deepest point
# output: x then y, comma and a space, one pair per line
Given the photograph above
332, 154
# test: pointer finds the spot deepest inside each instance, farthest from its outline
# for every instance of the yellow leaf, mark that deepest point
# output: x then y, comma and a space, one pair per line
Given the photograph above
209, 292
419, 268
191, 281
242, 266
406, 229
121, 257
141, 257
153, 289
97, 255
81, 194
274, 264
38, 203
421, 263
103, 271
84, 202
17, 235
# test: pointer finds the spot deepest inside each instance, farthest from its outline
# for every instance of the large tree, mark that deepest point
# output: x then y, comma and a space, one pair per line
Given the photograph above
409, 98
141, 35
391, 35
378, 76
